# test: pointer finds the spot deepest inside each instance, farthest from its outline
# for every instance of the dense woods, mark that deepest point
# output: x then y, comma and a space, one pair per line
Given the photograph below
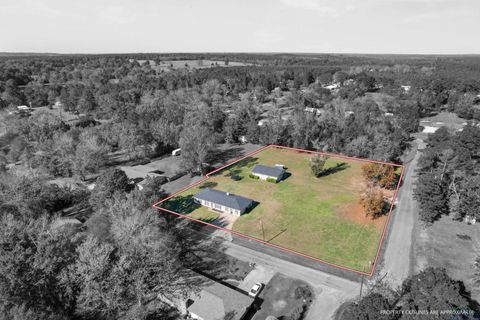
91, 113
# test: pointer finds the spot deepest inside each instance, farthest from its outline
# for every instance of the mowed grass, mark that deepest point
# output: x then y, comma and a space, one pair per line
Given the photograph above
319, 217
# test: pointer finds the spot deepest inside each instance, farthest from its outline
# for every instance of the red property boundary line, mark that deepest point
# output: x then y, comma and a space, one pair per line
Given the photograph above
207, 176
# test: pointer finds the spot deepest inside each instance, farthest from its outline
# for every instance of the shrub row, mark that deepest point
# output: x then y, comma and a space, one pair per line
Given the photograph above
253, 176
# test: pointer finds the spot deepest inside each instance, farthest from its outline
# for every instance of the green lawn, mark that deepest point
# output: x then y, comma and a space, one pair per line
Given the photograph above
320, 217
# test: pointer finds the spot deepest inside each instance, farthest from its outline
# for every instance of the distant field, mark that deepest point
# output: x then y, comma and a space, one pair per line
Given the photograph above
167, 65
320, 217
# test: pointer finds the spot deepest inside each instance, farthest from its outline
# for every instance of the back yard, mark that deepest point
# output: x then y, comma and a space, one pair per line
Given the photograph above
320, 217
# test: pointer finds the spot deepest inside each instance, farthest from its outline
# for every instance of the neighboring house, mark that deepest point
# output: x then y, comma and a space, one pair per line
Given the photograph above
219, 302
406, 88
223, 201
24, 108
264, 172
332, 87
429, 129
138, 174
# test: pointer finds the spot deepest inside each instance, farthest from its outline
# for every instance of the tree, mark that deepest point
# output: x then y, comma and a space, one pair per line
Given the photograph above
152, 192
317, 165
108, 184
373, 202
196, 143
340, 77
34, 256
431, 192
87, 102
433, 289
139, 262
430, 290
12, 95
90, 154
382, 175
469, 202
370, 307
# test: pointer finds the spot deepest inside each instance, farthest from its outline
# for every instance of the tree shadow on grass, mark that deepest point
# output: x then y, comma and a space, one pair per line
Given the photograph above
338, 167
247, 162
208, 184
181, 204
234, 174
223, 156
277, 235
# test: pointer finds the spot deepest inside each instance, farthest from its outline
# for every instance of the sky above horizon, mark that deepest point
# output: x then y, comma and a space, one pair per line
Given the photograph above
316, 26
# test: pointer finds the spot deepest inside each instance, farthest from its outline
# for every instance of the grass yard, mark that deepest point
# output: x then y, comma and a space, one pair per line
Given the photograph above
319, 217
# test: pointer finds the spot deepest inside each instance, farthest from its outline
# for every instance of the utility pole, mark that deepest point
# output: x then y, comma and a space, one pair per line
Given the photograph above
361, 284
263, 231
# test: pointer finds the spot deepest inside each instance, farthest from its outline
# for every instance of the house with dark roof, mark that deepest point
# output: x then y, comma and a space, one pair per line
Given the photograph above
223, 201
218, 302
265, 172
138, 174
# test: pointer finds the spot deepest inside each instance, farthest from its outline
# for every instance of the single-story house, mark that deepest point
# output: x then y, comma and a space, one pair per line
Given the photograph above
265, 172
223, 201
138, 174
219, 302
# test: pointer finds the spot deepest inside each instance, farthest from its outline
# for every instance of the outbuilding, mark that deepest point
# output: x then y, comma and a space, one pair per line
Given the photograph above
265, 172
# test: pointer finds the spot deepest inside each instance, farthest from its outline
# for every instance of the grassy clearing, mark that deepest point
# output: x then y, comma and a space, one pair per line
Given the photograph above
320, 217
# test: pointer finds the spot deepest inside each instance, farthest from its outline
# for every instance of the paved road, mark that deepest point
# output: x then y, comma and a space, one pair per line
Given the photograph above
331, 291
398, 252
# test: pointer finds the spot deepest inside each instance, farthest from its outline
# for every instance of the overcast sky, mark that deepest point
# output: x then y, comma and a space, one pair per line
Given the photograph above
323, 26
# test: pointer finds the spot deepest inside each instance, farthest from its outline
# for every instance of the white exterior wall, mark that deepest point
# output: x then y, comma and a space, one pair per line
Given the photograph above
220, 207
194, 316
264, 177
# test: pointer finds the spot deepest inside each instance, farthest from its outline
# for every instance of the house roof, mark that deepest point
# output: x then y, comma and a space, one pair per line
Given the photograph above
216, 301
140, 172
274, 172
224, 198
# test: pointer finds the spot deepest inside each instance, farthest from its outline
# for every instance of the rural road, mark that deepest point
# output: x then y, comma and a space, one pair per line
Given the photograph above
397, 256
330, 291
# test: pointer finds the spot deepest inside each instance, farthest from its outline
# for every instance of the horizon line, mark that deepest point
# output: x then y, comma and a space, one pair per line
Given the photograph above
14, 53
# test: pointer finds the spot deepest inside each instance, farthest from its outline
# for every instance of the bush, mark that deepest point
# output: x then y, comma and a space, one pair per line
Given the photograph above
296, 314
303, 293
272, 180
253, 176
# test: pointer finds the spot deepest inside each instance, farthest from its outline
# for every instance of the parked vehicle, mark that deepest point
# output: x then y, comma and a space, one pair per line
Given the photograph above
255, 291
176, 152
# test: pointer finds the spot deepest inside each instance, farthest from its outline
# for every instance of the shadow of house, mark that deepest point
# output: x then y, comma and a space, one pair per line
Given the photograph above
285, 176
252, 206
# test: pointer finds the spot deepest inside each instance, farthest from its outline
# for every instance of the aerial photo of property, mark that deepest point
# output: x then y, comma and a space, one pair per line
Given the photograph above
239, 160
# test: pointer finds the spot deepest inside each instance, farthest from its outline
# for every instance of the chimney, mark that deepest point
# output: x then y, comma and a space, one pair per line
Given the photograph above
228, 193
